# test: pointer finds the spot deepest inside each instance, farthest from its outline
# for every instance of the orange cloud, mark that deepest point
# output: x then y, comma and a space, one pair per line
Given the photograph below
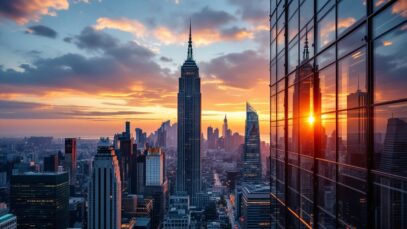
400, 8
22, 11
123, 24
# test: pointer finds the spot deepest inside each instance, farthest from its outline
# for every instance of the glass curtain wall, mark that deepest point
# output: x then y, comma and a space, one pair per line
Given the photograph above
338, 113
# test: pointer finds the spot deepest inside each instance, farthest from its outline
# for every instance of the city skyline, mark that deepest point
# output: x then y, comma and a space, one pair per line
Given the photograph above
229, 37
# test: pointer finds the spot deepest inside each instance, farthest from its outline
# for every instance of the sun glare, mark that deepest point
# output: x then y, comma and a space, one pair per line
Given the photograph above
311, 119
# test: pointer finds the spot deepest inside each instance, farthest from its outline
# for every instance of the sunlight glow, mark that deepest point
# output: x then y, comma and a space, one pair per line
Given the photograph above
311, 119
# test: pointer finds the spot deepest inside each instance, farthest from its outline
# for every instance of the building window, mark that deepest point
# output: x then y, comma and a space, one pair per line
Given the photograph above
390, 64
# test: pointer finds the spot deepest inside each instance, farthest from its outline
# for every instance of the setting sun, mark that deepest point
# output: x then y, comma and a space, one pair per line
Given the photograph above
311, 119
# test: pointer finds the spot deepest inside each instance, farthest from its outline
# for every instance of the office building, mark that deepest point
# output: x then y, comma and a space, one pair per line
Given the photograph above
178, 215
51, 163
255, 207
156, 185
336, 84
189, 127
105, 189
40, 200
8, 221
251, 171
138, 174
70, 159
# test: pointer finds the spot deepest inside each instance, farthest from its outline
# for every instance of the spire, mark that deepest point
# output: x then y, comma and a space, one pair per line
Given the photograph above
226, 119
305, 54
190, 57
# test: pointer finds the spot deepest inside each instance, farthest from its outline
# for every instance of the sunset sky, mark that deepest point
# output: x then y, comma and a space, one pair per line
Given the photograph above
83, 67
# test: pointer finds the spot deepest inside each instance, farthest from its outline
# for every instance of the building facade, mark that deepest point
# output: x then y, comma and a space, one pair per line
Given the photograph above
70, 158
40, 200
255, 207
105, 189
8, 221
189, 127
338, 109
251, 171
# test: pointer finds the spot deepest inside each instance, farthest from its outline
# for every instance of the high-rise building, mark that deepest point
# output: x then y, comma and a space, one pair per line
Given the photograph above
210, 138
178, 215
8, 221
141, 138
155, 171
70, 159
251, 171
51, 163
189, 127
337, 86
40, 200
138, 174
255, 207
393, 160
105, 189
225, 127
216, 136
156, 183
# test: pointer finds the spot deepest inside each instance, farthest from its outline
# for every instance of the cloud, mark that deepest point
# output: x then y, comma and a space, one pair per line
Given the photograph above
118, 67
208, 26
32, 110
209, 18
23, 11
165, 59
41, 30
90, 39
237, 70
252, 12
123, 24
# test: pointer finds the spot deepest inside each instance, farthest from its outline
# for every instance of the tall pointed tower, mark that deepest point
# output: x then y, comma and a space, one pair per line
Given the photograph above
189, 127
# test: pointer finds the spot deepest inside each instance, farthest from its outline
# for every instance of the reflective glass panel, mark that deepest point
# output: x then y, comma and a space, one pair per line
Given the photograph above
352, 81
326, 30
327, 85
389, 18
390, 63
350, 12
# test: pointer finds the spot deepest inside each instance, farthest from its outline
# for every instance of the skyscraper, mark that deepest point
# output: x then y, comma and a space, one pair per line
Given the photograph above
211, 138
189, 127
251, 156
393, 206
70, 158
105, 189
51, 163
40, 200
156, 186
225, 127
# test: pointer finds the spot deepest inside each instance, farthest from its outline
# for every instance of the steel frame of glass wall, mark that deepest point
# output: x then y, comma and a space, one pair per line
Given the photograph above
338, 113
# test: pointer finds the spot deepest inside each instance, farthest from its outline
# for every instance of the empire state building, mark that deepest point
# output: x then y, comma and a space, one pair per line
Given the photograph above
189, 127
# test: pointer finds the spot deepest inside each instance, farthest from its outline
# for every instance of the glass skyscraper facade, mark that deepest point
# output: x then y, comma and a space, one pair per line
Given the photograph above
338, 113
251, 154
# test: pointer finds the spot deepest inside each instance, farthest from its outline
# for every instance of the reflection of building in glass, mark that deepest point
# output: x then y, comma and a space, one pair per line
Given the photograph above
393, 160
356, 125
251, 155
328, 165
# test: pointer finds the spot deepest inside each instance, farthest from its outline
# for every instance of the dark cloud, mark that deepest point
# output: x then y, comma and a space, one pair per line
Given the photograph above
91, 39
250, 11
41, 30
117, 67
165, 59
68, 39
29, 110
23, 11
241, 70
209, 18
